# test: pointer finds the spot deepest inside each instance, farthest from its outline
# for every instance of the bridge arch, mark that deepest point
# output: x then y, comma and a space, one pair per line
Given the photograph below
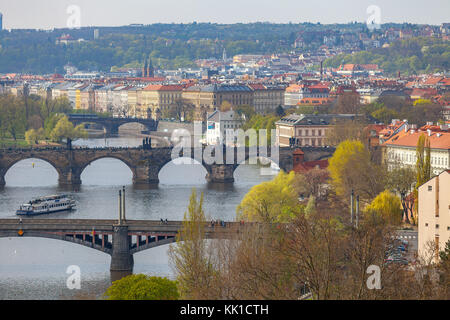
53, 236
267, 166
4, 170
187, 168
122, 160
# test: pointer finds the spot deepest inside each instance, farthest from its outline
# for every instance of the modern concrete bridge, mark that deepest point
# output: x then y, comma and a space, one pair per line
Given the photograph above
145, 164
120, 240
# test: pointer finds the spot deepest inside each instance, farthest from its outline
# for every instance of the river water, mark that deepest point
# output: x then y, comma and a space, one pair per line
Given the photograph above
35, 268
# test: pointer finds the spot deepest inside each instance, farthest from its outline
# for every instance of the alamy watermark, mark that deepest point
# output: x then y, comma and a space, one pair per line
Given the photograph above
374, 20
232, 147
74, 280
374, 280
74, 19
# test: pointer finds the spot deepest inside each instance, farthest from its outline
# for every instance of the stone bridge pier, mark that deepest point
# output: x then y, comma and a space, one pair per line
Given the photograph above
121, 257
69, 176
220, 173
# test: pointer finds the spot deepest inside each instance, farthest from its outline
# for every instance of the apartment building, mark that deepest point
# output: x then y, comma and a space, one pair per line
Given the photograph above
307, 130
159, 97
400, 149
303, 94
434, 215
266, 98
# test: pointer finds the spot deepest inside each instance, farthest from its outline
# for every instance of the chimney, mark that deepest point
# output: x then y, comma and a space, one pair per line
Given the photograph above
429, 132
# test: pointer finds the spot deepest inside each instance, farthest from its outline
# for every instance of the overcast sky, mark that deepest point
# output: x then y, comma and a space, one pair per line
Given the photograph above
46, 14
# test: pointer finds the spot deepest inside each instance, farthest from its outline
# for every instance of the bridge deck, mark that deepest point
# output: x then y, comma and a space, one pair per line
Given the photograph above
99, 225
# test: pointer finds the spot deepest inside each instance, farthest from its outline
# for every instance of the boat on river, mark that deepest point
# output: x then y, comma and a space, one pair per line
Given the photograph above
46, 205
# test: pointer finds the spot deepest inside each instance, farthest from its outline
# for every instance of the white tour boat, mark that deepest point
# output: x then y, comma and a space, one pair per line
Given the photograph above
48, 204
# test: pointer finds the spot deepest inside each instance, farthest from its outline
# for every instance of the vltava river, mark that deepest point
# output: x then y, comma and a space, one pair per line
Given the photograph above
35, 268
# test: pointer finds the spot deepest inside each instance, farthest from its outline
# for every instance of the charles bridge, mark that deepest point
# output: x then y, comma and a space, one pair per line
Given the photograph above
145, 163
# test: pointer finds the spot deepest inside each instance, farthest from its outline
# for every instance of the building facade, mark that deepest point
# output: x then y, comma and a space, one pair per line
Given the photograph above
218, 123
434, 215
307, 130
401, 149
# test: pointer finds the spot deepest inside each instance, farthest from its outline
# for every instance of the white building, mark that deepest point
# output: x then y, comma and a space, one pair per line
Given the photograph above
400, 149
219, 122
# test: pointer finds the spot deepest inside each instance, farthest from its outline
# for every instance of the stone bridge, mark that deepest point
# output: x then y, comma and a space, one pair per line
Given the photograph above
145, 164
120, 241
112, 125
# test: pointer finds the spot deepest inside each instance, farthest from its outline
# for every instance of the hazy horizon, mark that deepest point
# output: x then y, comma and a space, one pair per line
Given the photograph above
54, 14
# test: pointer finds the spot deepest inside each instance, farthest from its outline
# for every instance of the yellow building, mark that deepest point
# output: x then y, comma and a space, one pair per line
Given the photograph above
159, 97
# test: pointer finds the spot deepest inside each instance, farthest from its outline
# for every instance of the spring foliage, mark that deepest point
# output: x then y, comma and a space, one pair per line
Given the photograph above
271, 201
142, 287
388, 206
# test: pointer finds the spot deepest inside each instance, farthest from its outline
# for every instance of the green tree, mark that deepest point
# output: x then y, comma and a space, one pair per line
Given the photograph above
33, 136
64, 129
271, 201
388, 206
351, 168
142, 287
246, 110
385, 115
423, 163
401, 180
189, 255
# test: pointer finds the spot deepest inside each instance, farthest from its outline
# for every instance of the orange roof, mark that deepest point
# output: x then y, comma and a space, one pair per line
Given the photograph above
433, 80
438, 140
293, 88
160, 87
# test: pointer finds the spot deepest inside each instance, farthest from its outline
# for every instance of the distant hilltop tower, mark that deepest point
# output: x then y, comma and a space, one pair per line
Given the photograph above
1, 21
224, 54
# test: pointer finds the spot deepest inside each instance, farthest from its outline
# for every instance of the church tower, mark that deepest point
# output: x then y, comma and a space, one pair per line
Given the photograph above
150, 70
144, 69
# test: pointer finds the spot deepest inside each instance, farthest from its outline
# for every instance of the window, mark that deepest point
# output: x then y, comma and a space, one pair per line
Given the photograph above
430, 188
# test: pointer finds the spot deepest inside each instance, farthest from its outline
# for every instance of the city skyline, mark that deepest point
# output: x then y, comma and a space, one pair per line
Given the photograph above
49, 14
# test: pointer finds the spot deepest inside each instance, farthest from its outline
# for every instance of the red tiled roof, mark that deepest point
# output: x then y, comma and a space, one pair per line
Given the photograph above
438, 140
160, 87
256, 86
309, 165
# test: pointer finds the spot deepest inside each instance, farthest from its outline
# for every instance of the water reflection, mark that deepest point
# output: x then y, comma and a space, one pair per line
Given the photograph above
32, 268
